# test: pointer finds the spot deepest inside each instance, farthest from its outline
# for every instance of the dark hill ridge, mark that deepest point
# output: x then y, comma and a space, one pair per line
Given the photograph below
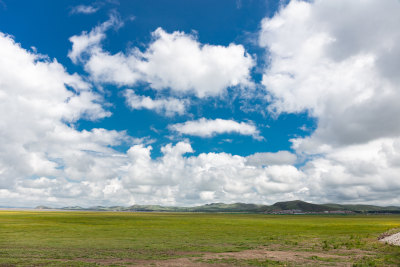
296, 206
363, 208
236, 207
303, 206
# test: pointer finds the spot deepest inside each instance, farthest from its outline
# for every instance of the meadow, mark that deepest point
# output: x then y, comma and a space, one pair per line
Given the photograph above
55, 238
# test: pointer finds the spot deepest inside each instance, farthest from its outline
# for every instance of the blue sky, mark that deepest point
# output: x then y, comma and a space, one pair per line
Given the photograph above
191, 102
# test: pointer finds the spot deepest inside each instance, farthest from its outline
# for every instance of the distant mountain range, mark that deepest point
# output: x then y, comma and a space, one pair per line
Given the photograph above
287, 207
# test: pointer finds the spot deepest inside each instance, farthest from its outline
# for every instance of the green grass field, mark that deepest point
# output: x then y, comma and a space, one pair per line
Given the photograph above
110, 238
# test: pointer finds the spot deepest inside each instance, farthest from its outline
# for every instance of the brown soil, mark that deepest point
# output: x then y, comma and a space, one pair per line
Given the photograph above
287, 258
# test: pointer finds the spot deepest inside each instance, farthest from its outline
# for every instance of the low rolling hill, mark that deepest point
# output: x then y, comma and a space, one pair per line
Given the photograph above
279, 207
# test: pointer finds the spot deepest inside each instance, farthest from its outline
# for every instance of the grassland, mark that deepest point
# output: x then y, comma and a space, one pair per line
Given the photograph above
193, 239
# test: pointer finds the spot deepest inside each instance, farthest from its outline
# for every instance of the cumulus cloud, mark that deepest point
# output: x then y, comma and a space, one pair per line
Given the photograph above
45, 160
120, 69
37, 136
357, 173
268, 158
172, 179
208, 177
167, 106
175, 61
208, 128
178, 61
338, 61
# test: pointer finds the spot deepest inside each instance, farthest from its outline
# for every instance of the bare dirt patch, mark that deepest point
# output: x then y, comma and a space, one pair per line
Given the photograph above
272, 254
285, 257
244, 258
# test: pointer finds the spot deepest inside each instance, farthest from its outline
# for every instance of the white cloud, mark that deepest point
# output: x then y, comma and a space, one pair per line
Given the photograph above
93, 7
211, 177
268, 158
43, 160
178, 61
87, 42
172, 179
167, 106
175, 61
35, 140
117, 69
364, 173
208, 128
338, 61
84, 9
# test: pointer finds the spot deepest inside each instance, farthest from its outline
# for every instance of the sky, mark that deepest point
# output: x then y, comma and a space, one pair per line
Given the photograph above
183, 103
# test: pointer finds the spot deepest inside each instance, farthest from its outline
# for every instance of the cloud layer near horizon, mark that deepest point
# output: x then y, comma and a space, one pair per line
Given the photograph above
335, 59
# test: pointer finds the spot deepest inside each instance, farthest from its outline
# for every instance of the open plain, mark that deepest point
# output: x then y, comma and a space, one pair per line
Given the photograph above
51, 238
